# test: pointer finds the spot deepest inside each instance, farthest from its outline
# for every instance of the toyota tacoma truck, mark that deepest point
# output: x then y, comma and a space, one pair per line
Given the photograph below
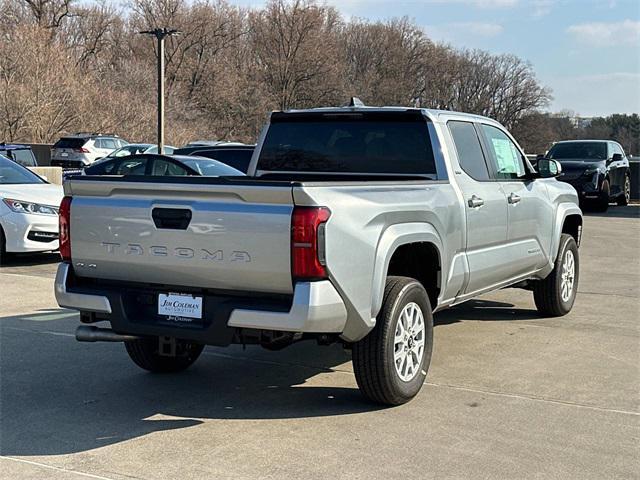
354, 225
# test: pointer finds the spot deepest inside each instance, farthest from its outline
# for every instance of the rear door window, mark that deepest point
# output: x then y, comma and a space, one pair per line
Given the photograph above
470, 154
109, 144
507, 160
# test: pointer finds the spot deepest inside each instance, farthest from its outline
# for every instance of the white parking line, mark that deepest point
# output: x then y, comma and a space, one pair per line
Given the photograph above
59, 469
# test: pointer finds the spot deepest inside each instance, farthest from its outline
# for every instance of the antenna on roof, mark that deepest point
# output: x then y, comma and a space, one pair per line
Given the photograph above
355, 102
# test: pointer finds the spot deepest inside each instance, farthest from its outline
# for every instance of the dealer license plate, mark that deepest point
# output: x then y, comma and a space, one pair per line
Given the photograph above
180, 307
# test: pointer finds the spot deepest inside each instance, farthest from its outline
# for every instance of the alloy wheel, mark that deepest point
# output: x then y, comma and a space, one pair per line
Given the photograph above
409, 342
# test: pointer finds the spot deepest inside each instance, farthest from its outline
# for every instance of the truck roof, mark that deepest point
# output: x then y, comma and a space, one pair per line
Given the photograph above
432, 114
584, 141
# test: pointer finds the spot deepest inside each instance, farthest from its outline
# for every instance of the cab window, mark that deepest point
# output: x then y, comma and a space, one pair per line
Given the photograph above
508, 162
470, 154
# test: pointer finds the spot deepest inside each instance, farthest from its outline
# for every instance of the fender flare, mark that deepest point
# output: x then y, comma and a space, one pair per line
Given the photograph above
392, 238
562, 212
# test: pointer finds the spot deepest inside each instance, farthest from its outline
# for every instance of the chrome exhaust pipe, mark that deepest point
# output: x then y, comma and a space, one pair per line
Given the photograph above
94, 334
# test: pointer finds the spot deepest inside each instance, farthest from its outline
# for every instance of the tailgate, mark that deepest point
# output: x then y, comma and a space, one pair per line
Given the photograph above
230, 237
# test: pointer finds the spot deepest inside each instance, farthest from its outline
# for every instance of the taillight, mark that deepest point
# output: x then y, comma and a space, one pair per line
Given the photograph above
64, 221
81, 150
307, 243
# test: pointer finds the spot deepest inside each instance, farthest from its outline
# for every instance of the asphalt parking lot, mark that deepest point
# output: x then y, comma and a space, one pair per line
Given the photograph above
509, 394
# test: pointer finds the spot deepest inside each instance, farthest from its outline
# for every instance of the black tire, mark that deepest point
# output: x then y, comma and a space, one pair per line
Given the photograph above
373, 356
547, 293
623, 200
3, 248
145, 353
602, 203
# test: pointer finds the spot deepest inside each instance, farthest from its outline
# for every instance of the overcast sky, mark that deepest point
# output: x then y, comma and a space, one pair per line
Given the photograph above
587, 51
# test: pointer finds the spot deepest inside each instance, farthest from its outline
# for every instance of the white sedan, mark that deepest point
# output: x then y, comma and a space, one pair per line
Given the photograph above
28, 210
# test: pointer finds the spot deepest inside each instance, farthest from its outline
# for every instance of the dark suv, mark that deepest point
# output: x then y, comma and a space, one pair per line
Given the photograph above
21, 154
597, 169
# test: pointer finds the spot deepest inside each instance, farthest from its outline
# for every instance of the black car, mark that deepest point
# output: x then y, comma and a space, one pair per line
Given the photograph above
597, 169
150, 164
235, 155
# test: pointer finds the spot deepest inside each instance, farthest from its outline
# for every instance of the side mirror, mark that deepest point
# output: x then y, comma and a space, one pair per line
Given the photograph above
548, 168
616, 157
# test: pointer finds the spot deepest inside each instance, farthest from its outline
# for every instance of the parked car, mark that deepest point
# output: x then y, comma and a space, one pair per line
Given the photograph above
597, 169
236, 155
21, 154
353, 226
82, 149
28, 210
137, 148
161, 165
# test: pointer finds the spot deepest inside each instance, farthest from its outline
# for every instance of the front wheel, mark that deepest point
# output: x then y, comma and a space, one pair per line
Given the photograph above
601, 204
391, 362
625, 198
554, 296
3, 249
145, 352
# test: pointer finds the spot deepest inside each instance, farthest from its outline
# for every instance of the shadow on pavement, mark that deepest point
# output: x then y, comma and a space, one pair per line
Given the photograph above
58, 396
484, 310
30, 259
630, 211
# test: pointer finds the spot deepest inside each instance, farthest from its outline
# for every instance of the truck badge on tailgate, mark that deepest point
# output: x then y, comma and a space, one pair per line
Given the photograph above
180, 252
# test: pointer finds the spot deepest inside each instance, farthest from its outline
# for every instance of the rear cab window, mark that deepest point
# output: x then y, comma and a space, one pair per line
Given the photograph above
394, 143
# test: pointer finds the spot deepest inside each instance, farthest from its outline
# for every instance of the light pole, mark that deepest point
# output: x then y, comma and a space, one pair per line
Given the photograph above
160, 34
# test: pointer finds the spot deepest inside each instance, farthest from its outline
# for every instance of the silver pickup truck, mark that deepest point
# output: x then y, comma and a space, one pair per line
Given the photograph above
354, 225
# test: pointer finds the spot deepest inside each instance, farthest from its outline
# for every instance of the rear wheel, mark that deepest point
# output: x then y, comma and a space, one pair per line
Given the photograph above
146, 353
391, 362
554, 296
626, 192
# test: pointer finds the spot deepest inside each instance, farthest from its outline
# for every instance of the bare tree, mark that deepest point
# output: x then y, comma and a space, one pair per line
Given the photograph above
83, 66
296, 52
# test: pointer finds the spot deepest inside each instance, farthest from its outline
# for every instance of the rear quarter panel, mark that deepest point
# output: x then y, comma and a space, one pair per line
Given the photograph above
367, 223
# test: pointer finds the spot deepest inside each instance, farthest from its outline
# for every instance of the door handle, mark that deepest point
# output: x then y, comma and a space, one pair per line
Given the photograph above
171, 218
475, 202
513, 198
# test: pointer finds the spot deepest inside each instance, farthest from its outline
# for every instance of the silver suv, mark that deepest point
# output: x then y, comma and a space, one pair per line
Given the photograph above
82, 149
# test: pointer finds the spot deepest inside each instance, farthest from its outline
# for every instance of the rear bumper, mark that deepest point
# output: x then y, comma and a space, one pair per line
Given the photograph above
316, 307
